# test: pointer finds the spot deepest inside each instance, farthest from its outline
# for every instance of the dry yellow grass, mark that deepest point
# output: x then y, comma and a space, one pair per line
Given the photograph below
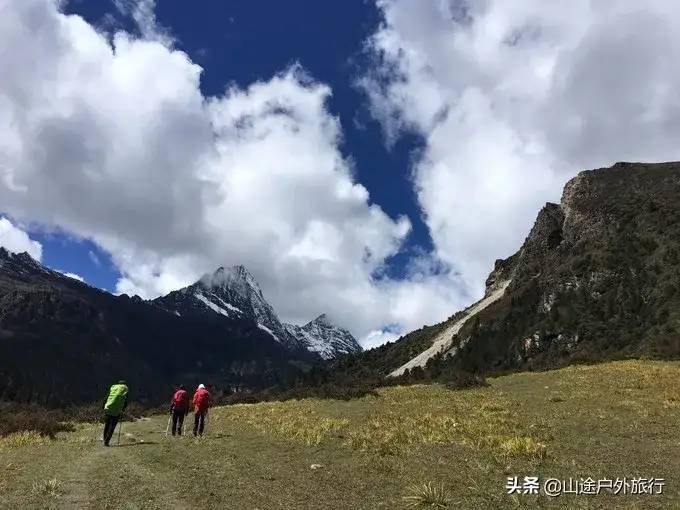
523, 446
50, 488
611, 420
427, 495
289, 420
26, 438
405, 418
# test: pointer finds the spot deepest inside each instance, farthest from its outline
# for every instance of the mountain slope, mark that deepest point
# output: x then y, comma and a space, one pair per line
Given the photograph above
230, 292
62, 341
324, 338
233, 292
598, 277
442, 343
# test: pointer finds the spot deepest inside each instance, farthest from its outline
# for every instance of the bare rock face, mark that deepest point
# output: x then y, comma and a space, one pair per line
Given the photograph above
598, 277
230, 292
234, 293
325, 338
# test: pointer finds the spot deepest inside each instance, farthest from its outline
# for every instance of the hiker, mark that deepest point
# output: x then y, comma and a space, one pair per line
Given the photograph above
179, 408
114, 406
201, 403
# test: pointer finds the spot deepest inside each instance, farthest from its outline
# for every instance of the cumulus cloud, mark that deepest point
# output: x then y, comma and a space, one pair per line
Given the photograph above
16, 240
143, 12
108, 137
513, 98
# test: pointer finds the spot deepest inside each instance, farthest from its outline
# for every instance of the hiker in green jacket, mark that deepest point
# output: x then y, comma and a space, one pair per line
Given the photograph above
115, 404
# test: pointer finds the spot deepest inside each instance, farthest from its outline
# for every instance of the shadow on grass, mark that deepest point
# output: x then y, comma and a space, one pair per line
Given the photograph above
137, 444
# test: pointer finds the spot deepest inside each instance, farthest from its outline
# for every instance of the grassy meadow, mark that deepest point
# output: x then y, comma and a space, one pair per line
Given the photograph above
422, 446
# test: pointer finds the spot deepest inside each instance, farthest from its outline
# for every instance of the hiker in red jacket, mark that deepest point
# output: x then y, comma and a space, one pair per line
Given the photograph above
201, 403
179, 408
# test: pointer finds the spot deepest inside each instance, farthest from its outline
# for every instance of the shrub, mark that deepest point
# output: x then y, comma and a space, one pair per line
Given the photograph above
427, 495
15, 417
51, 488
462, 380
23, 438
84, 414
134, 411
520, 446
18, 417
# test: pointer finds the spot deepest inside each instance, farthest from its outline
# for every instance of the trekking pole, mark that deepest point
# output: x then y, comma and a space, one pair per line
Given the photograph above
167, 429
119, 429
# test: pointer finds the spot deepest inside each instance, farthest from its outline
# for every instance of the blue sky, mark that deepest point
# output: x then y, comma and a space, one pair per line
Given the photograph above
234, 43
365, 159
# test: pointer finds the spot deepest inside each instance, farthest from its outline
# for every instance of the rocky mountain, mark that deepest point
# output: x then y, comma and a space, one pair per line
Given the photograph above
62, 341
229, 292
233, 292
324, 338
598, 277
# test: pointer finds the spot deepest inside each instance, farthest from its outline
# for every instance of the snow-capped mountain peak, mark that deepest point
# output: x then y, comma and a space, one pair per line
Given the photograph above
237, 278
325, 338
233, 292
22, 264
322, 320
230, 292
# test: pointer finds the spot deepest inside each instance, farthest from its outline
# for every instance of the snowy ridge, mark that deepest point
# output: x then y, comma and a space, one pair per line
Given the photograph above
324, 338
230, 292
233, 292
265, 328
228, 305
23, 265
210, 304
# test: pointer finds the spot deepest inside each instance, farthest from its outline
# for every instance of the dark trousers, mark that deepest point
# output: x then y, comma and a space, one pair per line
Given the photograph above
110, 423
177, 421
199, 422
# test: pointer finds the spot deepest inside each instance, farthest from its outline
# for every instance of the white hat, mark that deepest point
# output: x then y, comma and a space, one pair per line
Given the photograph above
201, 387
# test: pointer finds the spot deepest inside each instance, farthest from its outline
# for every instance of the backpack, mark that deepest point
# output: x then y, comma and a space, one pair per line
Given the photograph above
201, 400
116, 400
180, 400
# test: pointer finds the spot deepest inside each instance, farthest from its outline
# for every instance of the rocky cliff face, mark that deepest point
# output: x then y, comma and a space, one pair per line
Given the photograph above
597, 277
324, 338
229, 292
233, 292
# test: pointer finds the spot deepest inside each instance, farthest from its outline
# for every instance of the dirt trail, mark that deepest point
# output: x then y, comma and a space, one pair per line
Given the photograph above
107, 477
442, 342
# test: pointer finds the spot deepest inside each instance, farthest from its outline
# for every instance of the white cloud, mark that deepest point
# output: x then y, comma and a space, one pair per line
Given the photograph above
143, 12
110, 139
513, 98
16, 240
94, 258
73, 275
378, 337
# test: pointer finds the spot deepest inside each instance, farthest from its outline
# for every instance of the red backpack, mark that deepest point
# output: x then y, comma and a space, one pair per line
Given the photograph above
201, 400
180, 400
